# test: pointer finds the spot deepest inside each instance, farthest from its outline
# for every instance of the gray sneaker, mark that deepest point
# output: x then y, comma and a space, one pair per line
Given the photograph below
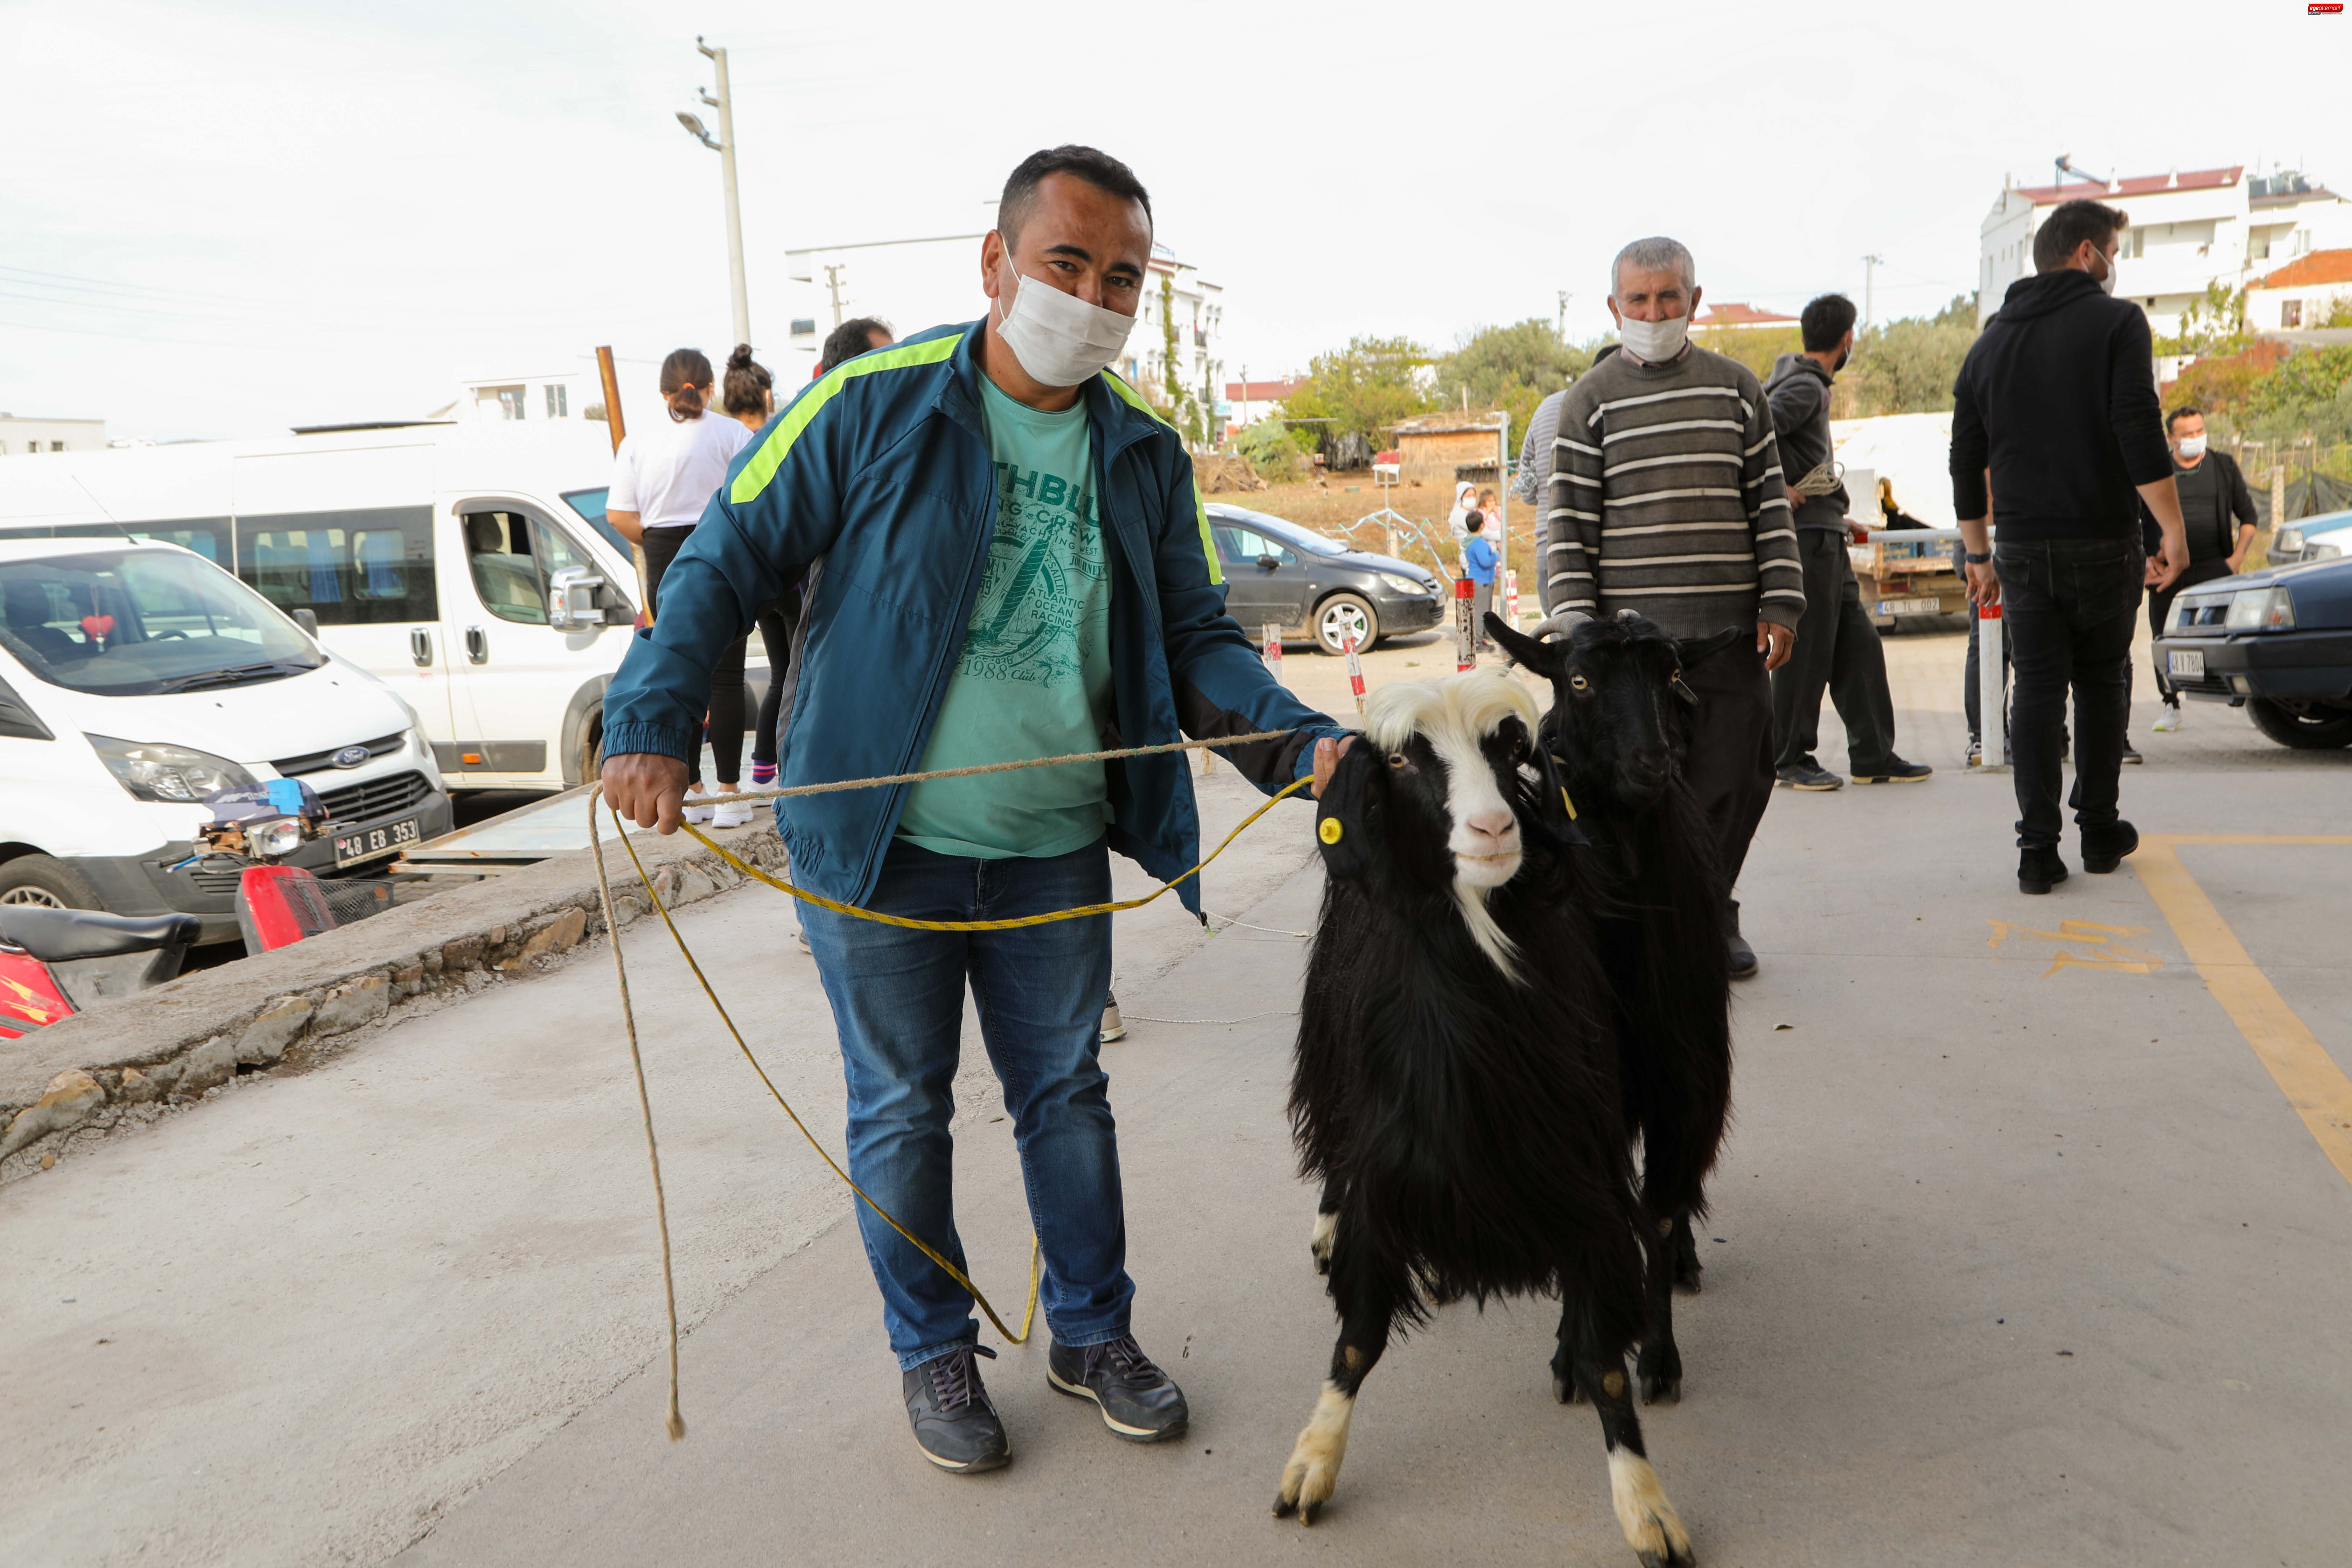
1807, 775
1139, 1402
954, 1420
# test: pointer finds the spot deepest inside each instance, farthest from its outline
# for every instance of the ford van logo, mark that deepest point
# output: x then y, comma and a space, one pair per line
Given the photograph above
351, 756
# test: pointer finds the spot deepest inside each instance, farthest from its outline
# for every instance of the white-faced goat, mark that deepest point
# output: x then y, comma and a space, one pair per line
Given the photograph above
1617, 730
1456, 1084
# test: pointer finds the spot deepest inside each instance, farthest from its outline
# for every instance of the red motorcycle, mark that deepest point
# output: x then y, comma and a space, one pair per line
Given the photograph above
55, 963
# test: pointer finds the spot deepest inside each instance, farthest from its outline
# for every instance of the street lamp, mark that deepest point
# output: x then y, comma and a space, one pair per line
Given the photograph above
724, 145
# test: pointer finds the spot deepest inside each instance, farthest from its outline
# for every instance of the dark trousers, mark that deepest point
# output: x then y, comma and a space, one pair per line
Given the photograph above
777, 619
1482, 603
1837, 648
2067, 609
1730, 761
2159, 610
725, 723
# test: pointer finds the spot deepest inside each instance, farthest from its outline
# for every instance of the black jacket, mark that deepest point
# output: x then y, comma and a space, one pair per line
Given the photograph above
2058, 396
1799, 393
2213, 526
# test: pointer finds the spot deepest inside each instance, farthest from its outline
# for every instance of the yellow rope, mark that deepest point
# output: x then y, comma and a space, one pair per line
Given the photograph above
1016, 923
675, 1423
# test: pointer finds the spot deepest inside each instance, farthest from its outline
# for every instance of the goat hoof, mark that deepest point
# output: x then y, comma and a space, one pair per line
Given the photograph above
1327, 1230
1322, 1261
1651, 1529
1661, 1391
1564, 1389
1686, 1279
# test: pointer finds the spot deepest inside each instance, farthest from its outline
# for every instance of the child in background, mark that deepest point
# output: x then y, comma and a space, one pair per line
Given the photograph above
1479, 557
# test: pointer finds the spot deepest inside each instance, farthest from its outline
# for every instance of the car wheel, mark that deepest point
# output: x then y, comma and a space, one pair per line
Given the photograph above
45, 882
2312, 729
1339, 615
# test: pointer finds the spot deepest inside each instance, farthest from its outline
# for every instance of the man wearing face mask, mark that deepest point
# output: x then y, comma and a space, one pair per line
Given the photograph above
2057, 401
1837, 648
1007, 558
2219, 512
1666, 500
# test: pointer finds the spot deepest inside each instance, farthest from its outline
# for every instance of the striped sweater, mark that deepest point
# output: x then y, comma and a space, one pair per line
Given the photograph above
1666, 497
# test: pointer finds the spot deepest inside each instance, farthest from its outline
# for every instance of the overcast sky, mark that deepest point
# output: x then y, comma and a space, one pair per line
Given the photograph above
221, 219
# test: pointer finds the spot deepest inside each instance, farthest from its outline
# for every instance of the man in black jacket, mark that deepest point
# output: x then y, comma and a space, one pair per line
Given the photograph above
1837, 645
2220, 513
2057, 399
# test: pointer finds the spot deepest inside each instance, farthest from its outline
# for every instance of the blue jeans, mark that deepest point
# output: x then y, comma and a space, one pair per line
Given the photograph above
897, 1002
2068, 606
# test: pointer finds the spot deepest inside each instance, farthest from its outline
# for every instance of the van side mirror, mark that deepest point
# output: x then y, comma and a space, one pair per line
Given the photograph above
306, 618
571, 599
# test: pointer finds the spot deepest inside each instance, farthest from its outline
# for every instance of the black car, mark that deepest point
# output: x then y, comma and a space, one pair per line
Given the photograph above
2277, 643
1279, 574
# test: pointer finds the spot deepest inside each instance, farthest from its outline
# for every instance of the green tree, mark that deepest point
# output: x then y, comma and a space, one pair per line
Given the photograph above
2214, 324
1183, 412
1271, 451
1361, 390
1511, 368
1907, 366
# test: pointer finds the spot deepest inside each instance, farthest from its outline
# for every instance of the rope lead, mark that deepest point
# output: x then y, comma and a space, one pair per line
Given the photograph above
674, 1423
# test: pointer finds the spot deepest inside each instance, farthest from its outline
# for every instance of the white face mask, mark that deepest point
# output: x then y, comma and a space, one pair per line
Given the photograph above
2192, 447
1059, 339
2107, 283
1654, 343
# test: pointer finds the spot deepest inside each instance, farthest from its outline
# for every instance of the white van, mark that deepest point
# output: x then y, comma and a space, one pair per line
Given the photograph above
469, 566
136, 678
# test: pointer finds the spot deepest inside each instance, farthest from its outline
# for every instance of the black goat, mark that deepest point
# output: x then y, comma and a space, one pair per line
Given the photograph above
1456, 1084
1617, 729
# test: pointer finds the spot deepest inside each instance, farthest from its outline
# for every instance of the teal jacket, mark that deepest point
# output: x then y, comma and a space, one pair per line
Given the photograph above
877, 482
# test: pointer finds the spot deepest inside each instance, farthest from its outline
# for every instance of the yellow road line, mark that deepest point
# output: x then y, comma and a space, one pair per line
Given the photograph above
2243, 839
2314, 1085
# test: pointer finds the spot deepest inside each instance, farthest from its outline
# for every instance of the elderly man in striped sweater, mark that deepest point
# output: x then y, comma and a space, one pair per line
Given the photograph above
1666, 497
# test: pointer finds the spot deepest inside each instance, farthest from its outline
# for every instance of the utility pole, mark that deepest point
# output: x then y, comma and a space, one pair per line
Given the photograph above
1871, 264
1563, 315
725, 147
832, 287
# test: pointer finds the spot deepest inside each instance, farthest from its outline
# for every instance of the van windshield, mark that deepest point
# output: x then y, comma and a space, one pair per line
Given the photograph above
136, 623
590, 504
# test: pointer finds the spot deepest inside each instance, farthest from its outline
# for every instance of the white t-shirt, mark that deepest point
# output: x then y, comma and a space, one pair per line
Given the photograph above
667, 473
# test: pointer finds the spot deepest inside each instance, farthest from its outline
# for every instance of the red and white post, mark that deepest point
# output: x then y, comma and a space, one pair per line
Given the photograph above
1355, 673
1993, 709
1466, 656
1511, 599
1270, 645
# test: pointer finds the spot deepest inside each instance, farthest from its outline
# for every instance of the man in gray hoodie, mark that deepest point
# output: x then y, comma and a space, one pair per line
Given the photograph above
1837, 645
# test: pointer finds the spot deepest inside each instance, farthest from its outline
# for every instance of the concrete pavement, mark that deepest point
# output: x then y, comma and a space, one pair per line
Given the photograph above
2021, 1259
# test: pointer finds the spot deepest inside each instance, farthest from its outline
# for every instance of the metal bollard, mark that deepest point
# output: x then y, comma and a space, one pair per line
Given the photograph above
1355, 674
1511, 599
1464, 657
1270, 645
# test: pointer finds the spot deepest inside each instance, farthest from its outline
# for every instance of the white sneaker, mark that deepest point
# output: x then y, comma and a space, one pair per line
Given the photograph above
1113, 1027
2169, 721
694, 813
734, 813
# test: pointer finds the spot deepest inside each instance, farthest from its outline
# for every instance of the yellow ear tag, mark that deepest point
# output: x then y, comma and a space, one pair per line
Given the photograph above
1568, 802
1329, 830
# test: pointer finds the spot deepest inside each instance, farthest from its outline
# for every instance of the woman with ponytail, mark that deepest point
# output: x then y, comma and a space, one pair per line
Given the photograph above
663, 478
750, 397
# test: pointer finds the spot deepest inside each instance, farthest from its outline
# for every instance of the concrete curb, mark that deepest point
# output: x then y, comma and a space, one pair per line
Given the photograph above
180, 1039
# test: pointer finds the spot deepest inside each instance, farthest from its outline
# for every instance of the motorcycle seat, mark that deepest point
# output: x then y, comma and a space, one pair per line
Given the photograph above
61, 936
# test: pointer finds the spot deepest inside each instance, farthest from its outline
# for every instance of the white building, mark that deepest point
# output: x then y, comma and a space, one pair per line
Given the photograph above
2190, 229
22, 434
537, 397
914, 284
2303, 296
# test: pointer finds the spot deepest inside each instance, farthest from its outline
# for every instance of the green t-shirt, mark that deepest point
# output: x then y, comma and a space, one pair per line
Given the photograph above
1034, 678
